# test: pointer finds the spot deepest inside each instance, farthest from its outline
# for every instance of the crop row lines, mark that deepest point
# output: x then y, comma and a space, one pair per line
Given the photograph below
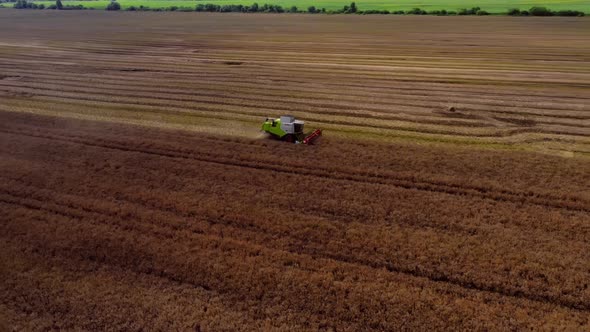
386, 98
162, 229
93, 95
574, 204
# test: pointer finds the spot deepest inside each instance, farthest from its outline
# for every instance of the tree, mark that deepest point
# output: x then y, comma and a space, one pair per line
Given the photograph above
312, 9
540, 11
58, 4
352, 8
254, 7
416, 11
21, 4
514, 12
114, 5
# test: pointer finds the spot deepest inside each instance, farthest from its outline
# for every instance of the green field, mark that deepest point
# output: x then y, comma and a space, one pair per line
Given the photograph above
492, 6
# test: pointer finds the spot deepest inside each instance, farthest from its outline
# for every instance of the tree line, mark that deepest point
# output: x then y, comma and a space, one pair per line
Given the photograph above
270, 8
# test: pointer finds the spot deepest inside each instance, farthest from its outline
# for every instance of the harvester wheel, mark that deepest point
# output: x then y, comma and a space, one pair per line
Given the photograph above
289, 138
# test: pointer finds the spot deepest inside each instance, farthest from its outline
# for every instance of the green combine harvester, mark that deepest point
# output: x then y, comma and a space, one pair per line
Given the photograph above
288, 129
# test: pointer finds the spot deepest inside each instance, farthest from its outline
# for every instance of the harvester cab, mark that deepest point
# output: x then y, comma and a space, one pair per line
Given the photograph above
288, 129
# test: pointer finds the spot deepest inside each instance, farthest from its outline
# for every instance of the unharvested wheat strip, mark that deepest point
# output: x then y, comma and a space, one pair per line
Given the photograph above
173, 270
437, 187
38, 191
301, 166
107, 282
35, 126
82, 134
86, 209
150, 200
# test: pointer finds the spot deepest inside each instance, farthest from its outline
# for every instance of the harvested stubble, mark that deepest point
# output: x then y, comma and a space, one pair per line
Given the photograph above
522, 82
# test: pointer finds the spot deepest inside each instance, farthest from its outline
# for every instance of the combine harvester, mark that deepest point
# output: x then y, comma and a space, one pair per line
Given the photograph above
288, 129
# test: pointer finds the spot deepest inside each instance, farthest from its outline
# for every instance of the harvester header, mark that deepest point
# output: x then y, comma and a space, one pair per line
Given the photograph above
288, 129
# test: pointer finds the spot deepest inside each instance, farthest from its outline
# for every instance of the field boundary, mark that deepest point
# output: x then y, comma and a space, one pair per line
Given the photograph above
351, 8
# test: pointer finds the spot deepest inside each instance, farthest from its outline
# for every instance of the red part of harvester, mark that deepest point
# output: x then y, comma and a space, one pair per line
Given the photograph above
312, 137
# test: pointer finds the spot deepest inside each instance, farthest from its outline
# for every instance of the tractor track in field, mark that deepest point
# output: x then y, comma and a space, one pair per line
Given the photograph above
163, 230
498, 195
